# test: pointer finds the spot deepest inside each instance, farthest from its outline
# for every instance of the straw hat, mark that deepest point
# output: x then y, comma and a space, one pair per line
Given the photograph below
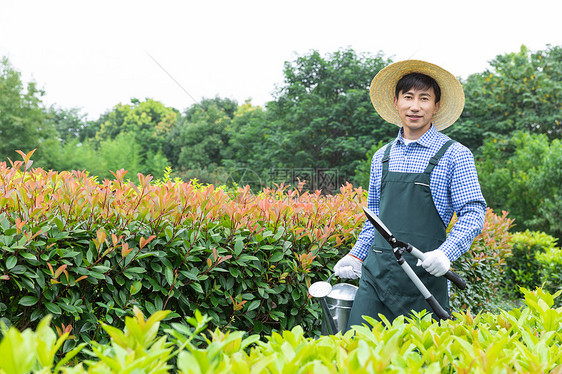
384, 85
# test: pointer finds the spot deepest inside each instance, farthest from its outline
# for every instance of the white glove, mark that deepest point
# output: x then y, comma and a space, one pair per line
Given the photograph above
436, 263
348, 267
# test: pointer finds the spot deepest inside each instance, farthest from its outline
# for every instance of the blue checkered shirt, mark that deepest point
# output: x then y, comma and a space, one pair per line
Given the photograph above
454, 188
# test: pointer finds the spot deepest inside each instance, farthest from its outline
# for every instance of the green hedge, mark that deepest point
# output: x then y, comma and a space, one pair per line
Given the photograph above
88, 252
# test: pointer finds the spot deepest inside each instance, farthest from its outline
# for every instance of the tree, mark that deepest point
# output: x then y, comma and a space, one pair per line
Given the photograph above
70, 123
200, 137
521, 174
225, 105
22, 120
363, 170
521, 91
147, 122
131, 137
323, 117
549, 182
245, 158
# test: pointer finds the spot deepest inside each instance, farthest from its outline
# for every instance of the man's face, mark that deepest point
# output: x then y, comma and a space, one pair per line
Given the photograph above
416, 109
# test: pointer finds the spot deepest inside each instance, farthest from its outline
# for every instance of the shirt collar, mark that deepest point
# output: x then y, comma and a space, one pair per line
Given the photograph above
425, 140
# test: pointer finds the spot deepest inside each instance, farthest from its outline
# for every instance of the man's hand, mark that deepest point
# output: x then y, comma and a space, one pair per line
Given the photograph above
436, 263
348, 267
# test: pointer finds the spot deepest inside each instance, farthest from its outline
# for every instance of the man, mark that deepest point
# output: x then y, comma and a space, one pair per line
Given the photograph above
417, 182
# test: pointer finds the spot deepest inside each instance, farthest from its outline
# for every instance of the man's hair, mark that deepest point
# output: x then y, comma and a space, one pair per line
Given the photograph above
417, 81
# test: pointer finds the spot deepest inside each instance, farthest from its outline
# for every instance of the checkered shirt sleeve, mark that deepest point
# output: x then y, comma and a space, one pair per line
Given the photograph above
454, 188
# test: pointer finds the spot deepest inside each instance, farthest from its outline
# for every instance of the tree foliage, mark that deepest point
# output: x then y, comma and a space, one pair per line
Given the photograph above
323, 115
521, 174
201, 135
147, 122
69, 123
521, 91
248, 156
22, 118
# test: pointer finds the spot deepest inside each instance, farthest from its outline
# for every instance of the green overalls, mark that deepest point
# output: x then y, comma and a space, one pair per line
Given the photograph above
407, 209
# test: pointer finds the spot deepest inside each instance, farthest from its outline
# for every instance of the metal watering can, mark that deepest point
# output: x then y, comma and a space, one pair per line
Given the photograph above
336, 302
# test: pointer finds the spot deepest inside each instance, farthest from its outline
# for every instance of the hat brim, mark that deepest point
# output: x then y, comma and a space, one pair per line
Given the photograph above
383, 86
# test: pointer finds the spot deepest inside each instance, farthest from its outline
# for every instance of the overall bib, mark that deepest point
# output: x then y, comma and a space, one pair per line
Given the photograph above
408, 210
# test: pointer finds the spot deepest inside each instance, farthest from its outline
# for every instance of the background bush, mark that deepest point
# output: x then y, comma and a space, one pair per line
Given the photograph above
523, 267
551, 270
483, 266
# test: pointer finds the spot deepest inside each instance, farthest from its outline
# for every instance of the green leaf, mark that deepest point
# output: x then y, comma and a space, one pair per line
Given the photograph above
279, 234
165, 261
136, 269
17, 352
68, 356
11, 262
277, 256
246, 258
156, 267
59, 223
120, 280
53, 308
4, 223
35, 315
253, 305
71, 254
103, 269
229, 283
28, 284
296, 294
90, 255
29, 256
40, 278
169, 273
96, 275
158, 303
190, 274
18, 269
135, 288
144, 255
68, 308
28, 300
238, 246
197, 287
149, 307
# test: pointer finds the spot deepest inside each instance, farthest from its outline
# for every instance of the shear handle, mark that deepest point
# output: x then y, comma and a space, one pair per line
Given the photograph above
450, 275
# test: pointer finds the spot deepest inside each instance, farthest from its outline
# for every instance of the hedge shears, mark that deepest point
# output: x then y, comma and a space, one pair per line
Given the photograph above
399, 248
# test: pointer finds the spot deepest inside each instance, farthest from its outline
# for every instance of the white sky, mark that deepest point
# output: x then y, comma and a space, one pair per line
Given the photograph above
95, 54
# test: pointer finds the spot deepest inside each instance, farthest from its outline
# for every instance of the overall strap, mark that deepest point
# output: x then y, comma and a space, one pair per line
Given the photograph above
435, 159
386, 158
